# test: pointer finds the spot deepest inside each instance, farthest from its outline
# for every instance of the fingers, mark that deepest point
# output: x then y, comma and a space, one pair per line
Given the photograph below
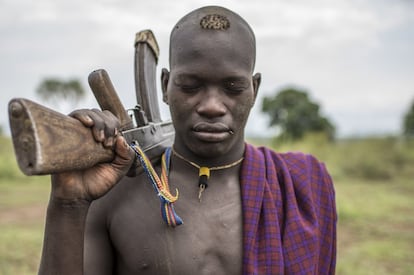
82, 116
105, 127
104, 124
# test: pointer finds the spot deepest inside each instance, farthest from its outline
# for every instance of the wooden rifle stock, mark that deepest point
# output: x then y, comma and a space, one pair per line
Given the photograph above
47, 142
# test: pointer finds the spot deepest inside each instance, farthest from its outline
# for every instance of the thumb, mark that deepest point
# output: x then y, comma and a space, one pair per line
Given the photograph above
124, 155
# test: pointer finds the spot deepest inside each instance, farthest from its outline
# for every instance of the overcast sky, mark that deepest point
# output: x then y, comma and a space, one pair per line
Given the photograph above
354, 57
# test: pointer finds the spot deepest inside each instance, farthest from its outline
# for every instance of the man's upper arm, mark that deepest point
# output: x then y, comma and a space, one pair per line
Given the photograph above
98, 252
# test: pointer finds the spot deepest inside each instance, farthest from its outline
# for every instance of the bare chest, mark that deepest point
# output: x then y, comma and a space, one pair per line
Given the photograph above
209, 241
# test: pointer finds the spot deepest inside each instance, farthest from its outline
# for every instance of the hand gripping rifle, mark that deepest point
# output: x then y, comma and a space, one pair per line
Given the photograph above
47, 142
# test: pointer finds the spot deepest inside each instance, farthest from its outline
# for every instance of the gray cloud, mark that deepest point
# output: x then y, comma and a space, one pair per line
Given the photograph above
354, 57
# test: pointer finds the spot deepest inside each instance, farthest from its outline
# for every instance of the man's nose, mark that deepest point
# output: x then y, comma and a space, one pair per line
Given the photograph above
211, 103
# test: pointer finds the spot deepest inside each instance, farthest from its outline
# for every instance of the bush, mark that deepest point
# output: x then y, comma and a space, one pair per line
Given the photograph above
8, 164
375, 159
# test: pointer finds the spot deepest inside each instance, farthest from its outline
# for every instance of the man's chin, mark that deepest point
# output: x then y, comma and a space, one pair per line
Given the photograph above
211, 149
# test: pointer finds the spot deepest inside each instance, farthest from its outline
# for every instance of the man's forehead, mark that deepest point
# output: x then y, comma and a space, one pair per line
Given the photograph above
212, 18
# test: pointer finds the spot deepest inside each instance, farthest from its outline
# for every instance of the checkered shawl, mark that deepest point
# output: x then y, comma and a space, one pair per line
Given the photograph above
289, 215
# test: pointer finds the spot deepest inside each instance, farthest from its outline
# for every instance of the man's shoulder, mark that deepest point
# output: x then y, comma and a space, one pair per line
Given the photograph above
291, 158
296, 165
298, 174
300, 160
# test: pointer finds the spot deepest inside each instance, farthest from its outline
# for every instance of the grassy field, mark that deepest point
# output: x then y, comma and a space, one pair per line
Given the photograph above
374, 181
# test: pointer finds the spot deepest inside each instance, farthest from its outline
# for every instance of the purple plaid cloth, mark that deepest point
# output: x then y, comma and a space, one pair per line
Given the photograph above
289, 214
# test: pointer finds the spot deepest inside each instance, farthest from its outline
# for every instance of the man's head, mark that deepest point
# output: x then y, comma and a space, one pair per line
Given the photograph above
213, 20
210, 88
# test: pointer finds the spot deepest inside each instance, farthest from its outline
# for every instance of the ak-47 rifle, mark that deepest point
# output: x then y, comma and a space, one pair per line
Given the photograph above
48, 142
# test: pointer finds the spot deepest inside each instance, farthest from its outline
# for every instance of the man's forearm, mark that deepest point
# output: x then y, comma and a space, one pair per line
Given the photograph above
64, 237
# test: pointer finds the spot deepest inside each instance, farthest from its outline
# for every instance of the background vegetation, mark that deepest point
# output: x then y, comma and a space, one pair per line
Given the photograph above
294, 114
374, 188
62, 94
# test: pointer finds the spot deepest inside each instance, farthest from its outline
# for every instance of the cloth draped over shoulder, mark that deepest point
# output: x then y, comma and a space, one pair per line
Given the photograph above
289, 214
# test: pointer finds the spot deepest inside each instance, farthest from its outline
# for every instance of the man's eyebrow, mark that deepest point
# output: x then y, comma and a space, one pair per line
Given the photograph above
186, 76
196, 77
236, 79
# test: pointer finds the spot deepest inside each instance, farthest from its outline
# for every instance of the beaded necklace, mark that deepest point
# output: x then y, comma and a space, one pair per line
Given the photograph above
160, 185
204, 171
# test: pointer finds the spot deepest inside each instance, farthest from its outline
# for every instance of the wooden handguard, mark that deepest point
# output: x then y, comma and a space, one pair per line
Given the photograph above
47, 142
107, 97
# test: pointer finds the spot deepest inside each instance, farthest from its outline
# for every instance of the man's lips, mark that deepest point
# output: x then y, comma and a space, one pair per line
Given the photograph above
217, 127
212, 132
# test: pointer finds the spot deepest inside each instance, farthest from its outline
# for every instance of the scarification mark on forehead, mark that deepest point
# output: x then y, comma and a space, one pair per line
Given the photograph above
215, 22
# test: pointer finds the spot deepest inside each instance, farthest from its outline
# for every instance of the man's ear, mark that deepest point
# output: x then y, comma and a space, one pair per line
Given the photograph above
257, 79
165, 77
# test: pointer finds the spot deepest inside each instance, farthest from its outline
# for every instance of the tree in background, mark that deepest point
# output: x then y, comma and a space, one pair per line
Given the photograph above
61, 93
408, 123
295, 114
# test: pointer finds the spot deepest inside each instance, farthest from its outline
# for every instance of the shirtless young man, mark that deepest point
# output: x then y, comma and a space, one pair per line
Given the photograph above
267, 214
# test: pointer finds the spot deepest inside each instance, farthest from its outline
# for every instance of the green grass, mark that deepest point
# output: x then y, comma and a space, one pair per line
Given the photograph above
20, 248
376, 225
374, 182
22, 209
